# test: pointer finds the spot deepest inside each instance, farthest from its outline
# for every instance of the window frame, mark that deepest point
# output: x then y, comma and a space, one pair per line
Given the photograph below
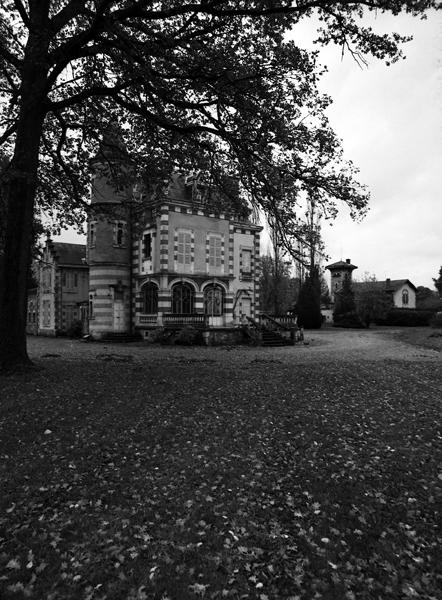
119, 234
149, 285
183, 285
215, 249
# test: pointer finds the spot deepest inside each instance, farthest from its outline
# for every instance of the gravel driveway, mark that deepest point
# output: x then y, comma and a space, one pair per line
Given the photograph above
325, 345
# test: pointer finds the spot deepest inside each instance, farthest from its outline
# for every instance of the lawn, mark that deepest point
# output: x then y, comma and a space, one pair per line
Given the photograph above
233, 475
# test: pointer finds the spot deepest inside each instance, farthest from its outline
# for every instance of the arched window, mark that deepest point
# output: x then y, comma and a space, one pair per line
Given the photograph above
150, 298
404, 297
183, 298
213, 300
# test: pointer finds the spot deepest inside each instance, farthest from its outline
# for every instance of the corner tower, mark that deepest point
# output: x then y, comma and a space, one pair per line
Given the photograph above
109, 241
338, 271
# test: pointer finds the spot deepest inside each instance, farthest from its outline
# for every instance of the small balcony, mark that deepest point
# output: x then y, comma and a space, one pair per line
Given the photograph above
148, 320
172, 320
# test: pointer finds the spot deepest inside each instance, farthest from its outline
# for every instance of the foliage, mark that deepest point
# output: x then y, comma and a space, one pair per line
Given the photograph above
308, 307
188, 336
211, 85
436, 320
209, 474
75, 330
427, 299
277, 290
406, 317
372, 301
325, 292
345, 313
438, 283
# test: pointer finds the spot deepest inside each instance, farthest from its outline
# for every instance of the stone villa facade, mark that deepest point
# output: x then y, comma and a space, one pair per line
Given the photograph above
148, 263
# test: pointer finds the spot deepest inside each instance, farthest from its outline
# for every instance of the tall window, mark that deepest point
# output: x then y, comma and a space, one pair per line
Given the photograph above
213, 300
47, 278
246, 264
150, 298
184, 250
92, 234
183, 298
69, 280
147, 246
404, 297
119, 233
46, 313
31, 312
215, 245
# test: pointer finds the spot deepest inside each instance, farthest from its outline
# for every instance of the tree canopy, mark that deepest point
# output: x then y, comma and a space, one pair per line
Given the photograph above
308, 307
213, 85
438, 283
277, 289
372, 300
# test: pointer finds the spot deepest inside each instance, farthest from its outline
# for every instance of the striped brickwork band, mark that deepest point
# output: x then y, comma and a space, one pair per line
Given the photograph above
228, 304
101, 279
136, 254
164, 237
257, 273
199, 302
230, 248
164, 301
187, 210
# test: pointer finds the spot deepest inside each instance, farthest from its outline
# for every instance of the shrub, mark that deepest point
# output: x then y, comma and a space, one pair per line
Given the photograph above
348, 319
188, 336
75, 330
436, 320
406, 317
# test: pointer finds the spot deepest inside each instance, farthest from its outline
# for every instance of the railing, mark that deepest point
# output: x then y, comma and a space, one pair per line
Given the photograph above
284, 322
177, 320
147, 319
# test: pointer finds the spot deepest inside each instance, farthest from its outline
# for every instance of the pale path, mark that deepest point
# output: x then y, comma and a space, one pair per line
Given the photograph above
323, 345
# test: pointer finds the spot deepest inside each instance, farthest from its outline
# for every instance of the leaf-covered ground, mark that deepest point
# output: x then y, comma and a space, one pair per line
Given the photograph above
182, 474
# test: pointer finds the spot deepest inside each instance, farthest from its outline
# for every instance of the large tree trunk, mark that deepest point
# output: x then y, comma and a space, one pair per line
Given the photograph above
20, 193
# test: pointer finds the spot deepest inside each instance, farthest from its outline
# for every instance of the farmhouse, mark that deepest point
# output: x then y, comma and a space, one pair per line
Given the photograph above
402, 291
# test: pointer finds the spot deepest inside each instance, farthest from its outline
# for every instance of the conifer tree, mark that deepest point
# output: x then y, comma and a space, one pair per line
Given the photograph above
345, 314
309, 302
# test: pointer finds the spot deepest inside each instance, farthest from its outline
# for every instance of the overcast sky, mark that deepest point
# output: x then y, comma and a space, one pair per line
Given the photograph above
390, 122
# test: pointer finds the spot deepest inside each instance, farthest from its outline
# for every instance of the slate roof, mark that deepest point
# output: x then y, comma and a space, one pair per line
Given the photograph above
341, 264
389, 285
69, 254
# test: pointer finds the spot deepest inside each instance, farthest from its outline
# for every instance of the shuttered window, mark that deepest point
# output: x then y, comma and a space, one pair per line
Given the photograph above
215, 251
184, 251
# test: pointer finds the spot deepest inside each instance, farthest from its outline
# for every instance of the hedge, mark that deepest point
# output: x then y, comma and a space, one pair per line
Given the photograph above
406, 317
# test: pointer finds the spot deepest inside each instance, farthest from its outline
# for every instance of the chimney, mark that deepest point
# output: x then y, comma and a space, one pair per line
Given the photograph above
347, 260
